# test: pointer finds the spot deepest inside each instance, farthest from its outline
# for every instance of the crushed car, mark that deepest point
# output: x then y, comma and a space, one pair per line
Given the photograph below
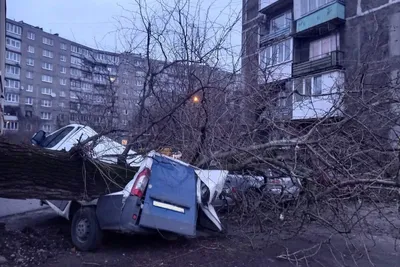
273, 185
166, 195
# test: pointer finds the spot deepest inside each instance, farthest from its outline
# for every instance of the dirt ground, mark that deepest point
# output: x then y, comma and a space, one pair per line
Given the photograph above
24, 242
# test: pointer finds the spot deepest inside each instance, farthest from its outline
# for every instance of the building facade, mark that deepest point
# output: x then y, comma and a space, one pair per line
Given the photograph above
306, 53
2, 60
51, 82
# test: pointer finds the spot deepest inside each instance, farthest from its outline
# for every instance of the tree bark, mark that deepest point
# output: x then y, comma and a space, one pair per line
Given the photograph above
32, 172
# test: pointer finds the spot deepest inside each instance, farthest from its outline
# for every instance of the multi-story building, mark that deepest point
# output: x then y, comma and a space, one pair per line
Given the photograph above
306, 53
51, 81
2, 60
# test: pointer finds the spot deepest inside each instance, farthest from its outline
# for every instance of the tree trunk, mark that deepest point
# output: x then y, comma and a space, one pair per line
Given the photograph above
32, 172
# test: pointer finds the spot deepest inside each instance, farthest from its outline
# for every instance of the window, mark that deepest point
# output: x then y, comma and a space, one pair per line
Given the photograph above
63, 81
317, 85
76, 72
46, 103
48, 41
62, 105
308, 6
47, 53
87, 86
30, 62
276, 54
13, 43
306, 87
13, 84
125, 91
12, 69
63, 70
47, 128
139, 82
29, 74
46, 91
76, 60
28, 113
73, 95
11, 28
125, 112
63, 46
30, 35
63, 58
45, 115
75, 83
31, 49
140, 74
47, 66
29, 88
74, 48
29, 101
282, 99
323, 47
124, 122
47, 79
14, 98
62, 94
11, 125
281, 22
13, 56
124, 81
29, 126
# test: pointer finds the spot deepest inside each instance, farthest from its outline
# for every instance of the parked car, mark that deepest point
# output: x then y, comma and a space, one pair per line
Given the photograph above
165, 195
274, 185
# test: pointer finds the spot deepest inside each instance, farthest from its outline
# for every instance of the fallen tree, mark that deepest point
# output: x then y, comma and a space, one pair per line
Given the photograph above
34, 172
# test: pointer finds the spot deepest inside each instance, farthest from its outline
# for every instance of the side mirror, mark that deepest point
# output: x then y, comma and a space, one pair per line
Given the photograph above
38, 138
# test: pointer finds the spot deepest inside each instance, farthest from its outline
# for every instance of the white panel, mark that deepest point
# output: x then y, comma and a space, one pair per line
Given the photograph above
265, 3
296, 9
317, 107
276, 73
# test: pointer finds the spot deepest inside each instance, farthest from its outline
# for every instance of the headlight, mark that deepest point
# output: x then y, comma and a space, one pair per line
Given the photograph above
205, 193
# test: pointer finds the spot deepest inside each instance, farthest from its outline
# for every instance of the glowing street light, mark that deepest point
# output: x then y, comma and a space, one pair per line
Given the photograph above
196, 99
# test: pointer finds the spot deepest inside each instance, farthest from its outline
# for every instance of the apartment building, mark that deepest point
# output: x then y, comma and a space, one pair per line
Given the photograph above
2, 60
305, 53
51, 81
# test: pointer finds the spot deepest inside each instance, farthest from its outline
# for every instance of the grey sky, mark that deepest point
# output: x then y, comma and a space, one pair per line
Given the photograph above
90, 22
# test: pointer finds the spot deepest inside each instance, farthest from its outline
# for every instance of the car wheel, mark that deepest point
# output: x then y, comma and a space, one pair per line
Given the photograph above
85, 230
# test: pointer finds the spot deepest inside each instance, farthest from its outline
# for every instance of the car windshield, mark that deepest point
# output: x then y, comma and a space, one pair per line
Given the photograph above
51, 140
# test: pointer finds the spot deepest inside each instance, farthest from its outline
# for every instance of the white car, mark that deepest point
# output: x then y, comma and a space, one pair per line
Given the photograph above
165, 195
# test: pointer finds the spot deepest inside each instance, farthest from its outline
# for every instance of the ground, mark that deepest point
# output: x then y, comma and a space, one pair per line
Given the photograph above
42, 238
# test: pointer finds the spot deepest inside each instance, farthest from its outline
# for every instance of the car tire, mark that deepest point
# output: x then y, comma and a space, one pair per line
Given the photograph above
85, 230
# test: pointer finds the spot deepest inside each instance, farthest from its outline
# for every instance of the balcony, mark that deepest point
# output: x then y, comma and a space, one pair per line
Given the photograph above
321, 101
332, 61
281, 33
271, 6
331, 13
277, 114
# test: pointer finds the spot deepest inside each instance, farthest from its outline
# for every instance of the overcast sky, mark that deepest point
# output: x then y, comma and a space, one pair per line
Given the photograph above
89, 22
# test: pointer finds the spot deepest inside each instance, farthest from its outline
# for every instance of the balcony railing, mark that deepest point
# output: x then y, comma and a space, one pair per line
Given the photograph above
331, 61
333, 11
281, 33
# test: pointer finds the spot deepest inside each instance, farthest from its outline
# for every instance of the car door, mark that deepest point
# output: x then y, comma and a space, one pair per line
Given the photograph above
170, 200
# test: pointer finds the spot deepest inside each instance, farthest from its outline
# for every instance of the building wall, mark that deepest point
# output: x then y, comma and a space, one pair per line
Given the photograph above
62, 111
2, 59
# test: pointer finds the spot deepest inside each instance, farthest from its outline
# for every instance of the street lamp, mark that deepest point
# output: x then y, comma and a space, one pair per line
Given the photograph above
196, 99
112, 79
